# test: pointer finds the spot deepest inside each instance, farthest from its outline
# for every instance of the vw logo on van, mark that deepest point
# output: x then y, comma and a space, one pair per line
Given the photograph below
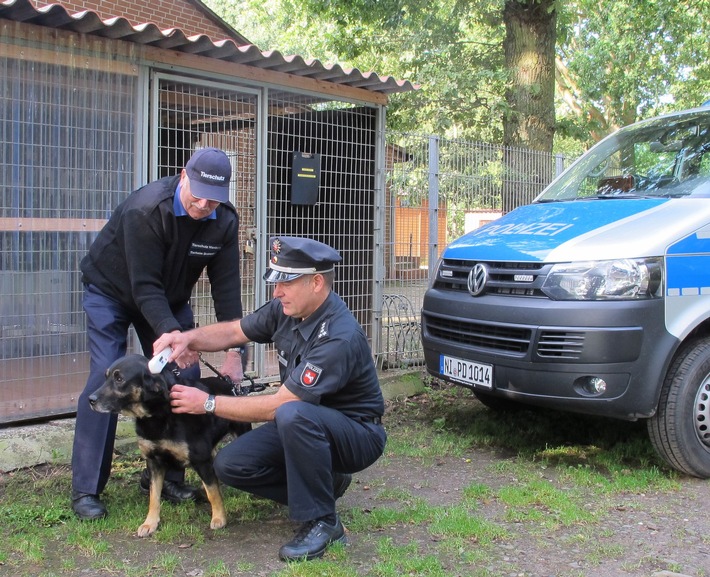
477, 279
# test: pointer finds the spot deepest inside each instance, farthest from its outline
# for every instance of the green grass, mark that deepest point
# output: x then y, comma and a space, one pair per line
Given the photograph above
554, 476
543, 503
461, 522
397, 560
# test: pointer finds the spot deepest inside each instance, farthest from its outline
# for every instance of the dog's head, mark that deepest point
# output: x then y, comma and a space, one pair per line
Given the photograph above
131, 389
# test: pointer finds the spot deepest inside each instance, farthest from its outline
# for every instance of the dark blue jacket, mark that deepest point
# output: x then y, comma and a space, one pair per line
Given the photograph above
149, 260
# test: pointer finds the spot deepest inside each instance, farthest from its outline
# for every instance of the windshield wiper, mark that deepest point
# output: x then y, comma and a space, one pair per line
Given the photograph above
625, 195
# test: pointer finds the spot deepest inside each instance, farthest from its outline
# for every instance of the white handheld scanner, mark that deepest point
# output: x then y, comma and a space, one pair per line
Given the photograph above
158, 362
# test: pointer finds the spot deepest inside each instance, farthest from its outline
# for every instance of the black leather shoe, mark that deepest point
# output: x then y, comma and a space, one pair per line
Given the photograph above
172, 491
87, 507
341, 482
311, 540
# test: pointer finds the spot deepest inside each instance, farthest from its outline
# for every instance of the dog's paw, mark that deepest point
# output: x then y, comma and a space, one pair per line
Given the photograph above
146, 529
218, 522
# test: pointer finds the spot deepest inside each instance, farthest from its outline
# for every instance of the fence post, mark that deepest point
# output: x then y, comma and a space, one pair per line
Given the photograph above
559, 164
433, 203
379, 231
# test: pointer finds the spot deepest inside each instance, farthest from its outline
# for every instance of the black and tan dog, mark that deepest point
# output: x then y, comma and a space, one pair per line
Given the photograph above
167, 440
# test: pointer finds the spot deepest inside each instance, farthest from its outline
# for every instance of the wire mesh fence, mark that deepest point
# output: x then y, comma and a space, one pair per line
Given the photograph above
51, 113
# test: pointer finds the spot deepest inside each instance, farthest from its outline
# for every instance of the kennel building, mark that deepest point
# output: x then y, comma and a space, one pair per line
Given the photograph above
99, 98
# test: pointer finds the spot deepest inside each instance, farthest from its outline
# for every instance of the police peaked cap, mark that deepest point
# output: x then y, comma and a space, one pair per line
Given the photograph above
292, 257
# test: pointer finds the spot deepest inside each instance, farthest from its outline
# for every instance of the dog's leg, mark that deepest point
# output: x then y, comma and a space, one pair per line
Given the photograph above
219, 513
214, 494
157, 476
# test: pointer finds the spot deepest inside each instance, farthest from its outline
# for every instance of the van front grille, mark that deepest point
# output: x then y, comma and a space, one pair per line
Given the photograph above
504, 278
560, 344
495, 337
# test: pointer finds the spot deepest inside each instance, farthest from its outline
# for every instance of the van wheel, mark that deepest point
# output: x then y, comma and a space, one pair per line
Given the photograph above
680, 429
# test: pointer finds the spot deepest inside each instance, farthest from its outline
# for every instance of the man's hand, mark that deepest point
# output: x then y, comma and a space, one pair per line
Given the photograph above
190, 400
179, 342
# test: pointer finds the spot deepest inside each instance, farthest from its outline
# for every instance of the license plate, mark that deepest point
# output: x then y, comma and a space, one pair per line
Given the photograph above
467, 372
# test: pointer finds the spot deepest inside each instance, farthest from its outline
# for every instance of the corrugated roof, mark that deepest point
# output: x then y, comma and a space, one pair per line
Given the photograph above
88, 22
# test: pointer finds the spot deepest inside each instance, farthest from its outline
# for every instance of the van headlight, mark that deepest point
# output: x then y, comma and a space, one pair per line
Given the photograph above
622, 279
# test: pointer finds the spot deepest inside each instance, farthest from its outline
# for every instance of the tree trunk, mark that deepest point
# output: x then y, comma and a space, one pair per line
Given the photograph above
529, 48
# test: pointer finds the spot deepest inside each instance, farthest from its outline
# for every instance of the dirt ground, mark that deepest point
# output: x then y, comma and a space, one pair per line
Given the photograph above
647, 535
655, 534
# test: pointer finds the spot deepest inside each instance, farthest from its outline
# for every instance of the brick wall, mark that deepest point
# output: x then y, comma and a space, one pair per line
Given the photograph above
163, 13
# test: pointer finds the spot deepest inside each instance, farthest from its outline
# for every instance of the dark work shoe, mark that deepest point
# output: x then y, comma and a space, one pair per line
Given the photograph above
172, 491
341, 482
87, 507
311, 540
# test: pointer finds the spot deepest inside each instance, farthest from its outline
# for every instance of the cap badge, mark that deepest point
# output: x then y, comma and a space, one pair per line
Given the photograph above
276, 245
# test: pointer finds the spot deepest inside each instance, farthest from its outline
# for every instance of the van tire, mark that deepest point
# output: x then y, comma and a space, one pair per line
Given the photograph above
680, 429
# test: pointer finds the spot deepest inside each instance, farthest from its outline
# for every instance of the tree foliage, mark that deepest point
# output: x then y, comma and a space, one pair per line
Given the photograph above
450, 48
616, 60
622, 60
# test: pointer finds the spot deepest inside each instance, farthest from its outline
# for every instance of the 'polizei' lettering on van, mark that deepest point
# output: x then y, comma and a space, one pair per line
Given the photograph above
212, 176
538, 228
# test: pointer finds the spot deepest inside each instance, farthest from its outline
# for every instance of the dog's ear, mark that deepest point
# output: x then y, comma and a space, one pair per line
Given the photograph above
155, 385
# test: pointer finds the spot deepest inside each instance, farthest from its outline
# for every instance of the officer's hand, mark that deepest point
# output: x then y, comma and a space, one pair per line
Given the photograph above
179, 342
190, 400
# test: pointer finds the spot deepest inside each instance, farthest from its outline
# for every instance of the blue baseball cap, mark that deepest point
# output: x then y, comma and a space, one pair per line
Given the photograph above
209, 171
292, 257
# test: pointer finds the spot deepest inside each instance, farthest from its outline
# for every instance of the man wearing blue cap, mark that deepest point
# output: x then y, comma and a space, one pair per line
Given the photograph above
140, 270
323, 423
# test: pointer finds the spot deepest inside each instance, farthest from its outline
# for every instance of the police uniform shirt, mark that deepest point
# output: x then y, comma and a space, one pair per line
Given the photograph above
324, 359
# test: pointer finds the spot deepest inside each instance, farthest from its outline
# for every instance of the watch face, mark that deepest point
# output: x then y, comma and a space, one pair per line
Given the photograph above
210, 404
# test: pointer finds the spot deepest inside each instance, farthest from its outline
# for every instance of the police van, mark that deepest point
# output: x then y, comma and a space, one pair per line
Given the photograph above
594, 298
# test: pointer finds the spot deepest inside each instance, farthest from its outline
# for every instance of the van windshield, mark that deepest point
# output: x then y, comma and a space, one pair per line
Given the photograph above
663, 157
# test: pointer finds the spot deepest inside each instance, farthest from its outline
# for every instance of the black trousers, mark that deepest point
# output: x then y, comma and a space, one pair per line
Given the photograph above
292, 459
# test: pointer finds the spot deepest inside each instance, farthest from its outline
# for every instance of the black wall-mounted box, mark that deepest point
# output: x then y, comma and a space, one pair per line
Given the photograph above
305, 178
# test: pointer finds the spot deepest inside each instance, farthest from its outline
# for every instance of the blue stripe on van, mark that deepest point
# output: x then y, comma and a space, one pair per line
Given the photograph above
530, 232
691, 244
688, 274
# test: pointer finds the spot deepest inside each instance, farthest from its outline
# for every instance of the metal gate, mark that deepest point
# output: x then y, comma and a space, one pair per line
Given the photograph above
340, 212
188, 114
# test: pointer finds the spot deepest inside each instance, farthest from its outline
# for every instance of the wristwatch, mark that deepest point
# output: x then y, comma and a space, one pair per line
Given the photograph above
210, 405
239, 350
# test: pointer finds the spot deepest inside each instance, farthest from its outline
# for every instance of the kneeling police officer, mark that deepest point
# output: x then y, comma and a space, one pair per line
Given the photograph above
325, 421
